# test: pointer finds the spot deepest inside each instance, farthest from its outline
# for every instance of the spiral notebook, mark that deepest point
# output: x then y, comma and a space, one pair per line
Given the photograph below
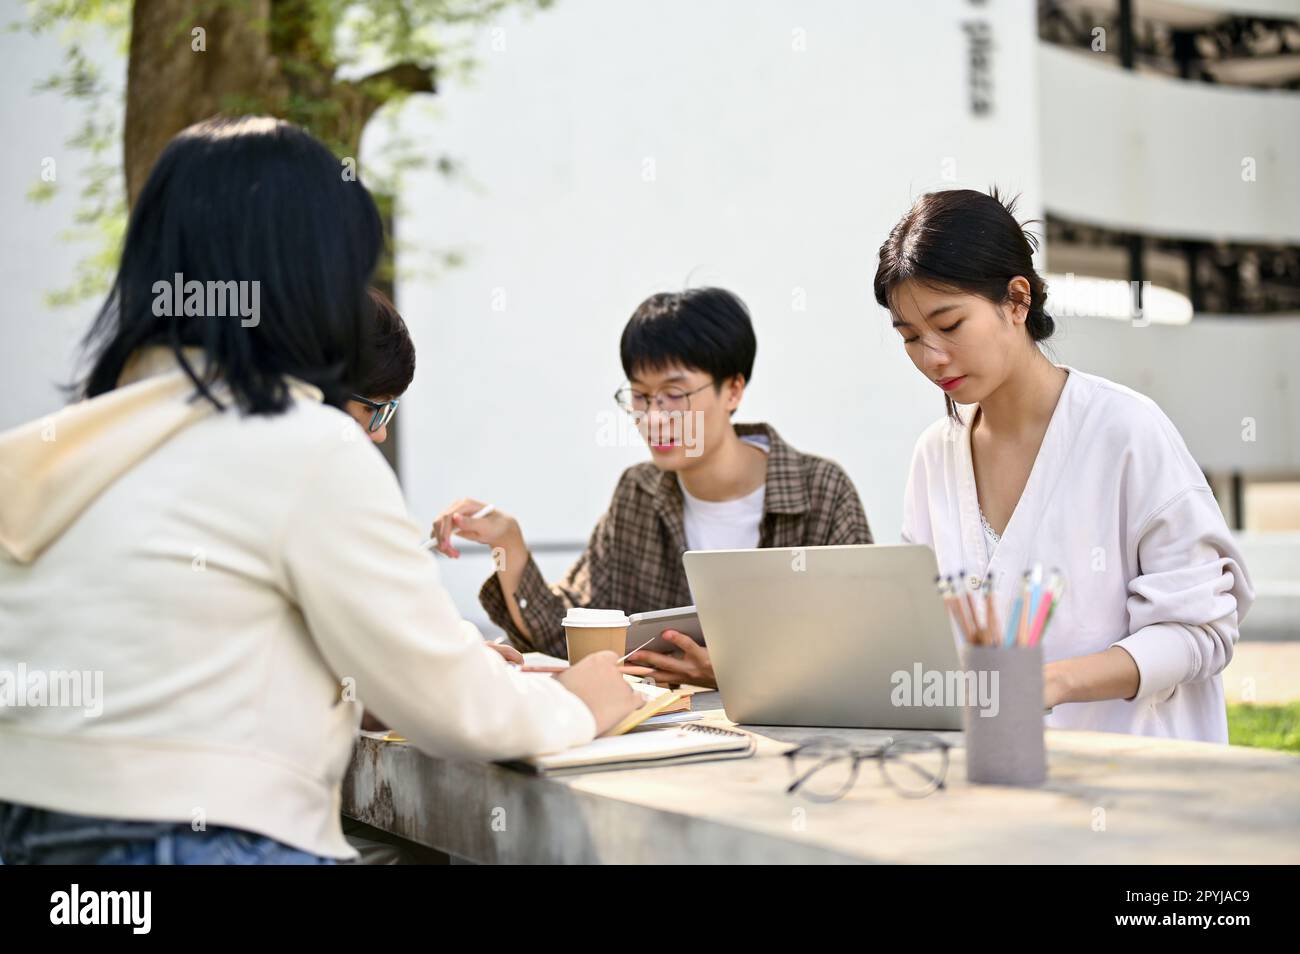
644, 748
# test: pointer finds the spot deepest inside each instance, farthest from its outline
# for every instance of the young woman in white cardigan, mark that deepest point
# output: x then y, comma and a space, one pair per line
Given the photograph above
1037, 462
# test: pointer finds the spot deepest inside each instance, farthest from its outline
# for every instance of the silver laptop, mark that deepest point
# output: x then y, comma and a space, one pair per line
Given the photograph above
826, 636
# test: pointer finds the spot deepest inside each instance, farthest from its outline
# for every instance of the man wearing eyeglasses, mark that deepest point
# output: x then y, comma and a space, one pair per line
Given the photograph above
710, 484
390, 367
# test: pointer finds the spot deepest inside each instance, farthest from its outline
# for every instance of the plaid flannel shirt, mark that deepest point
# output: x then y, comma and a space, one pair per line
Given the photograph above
633, 561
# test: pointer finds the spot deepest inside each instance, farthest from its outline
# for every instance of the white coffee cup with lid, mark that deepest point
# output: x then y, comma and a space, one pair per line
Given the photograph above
595, 630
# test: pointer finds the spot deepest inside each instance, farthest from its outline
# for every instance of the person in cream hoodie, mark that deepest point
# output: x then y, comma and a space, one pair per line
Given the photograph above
214, 542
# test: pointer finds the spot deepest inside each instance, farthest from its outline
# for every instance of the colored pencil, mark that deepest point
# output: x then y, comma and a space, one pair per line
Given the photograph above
990, 611
970, 609
1057, 588
950, 600
1022, 626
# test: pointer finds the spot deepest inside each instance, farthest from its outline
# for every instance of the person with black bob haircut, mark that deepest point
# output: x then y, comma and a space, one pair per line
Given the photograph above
710, 484
388, 362
223, 560
1041, 463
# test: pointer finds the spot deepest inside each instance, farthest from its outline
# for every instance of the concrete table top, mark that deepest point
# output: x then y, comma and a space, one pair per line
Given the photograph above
1109, 798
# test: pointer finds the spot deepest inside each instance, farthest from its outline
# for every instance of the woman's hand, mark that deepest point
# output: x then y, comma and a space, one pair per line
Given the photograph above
692, 666
1054, 686
595, 680
507, 652
495, 529
1109, 674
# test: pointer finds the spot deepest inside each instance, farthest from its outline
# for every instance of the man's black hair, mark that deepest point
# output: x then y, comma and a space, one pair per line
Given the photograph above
707, 329
388, 355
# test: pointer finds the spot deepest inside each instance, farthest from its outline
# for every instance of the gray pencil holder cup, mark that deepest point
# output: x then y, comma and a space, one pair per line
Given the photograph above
1006, 747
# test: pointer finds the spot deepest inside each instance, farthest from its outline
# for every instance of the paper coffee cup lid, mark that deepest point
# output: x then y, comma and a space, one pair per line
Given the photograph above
579, 617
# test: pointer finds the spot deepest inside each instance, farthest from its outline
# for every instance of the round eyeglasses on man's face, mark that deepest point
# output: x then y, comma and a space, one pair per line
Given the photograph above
635, 401
824, 769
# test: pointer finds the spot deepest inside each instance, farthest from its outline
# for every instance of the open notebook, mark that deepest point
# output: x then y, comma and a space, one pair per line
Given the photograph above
659, 706
645, 748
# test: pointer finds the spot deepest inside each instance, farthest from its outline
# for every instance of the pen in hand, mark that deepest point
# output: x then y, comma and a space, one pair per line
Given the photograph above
638, 649
486, 509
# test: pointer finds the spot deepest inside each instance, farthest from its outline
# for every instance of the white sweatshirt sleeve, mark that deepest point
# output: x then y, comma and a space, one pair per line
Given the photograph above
1188, 597
373, 603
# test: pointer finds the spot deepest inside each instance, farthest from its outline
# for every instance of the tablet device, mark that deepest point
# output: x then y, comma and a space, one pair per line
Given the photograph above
649, 626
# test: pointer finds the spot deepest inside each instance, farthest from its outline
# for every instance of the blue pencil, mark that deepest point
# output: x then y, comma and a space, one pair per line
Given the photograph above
1036, 591
1013, 621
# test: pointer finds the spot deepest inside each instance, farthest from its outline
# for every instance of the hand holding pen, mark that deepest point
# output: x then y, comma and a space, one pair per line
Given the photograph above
473, 520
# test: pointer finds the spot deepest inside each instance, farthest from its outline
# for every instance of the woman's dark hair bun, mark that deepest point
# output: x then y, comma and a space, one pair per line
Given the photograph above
970, 241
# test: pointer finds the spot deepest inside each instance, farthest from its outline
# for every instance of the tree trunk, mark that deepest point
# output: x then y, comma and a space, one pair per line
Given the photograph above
261, 57
170, 85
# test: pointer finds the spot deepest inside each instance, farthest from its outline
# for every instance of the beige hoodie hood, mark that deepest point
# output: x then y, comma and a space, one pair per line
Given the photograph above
52, 468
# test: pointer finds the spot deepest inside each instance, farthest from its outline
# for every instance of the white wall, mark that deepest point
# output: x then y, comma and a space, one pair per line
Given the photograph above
775, 170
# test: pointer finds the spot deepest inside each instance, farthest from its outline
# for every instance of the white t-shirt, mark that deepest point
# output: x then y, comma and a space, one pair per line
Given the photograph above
725, 524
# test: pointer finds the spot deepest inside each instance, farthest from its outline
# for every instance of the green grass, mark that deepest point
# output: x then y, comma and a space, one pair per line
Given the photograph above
1265, 727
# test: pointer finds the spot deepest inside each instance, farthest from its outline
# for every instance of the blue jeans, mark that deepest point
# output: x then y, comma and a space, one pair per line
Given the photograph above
34, 836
